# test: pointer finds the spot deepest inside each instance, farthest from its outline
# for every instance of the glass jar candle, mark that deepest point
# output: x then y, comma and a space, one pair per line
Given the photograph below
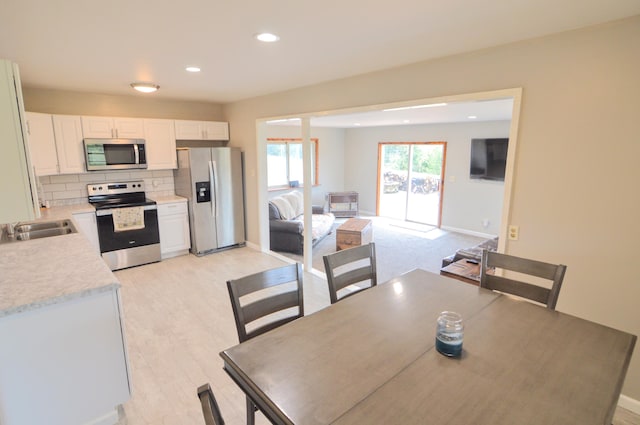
449, 333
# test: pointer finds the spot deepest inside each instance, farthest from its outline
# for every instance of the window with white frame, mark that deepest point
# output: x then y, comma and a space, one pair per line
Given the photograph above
285, 163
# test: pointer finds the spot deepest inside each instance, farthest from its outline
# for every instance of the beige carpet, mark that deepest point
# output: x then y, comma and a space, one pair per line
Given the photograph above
399, 248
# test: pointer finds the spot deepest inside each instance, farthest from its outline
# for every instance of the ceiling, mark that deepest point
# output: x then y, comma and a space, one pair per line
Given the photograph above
102, 47
469, 111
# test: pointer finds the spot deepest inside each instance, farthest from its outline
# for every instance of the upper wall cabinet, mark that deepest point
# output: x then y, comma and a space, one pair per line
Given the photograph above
68, 134
160, 144
18, 183
42, 143
201, 130
108, 128
56, 143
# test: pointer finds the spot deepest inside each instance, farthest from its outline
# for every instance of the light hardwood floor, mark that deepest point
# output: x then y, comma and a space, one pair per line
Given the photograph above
178, 317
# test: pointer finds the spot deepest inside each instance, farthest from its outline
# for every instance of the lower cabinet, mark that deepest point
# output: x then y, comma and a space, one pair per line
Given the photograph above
64, 363
173, 221
88, 227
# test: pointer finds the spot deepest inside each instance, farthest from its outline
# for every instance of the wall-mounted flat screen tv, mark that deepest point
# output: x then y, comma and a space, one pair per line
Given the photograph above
488, 159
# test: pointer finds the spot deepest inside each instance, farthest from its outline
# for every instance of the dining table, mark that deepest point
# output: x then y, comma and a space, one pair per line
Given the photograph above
371, 359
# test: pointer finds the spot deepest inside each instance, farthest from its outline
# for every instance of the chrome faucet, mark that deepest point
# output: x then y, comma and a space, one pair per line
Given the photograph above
11, 228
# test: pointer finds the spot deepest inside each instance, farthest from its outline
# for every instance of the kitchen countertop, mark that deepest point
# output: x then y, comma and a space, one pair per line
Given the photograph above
58, 213
168, 199
53, 270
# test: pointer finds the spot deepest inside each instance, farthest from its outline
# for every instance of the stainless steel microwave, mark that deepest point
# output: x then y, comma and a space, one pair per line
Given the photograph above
114, 154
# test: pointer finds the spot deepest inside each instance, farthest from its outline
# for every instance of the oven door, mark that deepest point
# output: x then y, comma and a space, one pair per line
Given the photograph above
121, 249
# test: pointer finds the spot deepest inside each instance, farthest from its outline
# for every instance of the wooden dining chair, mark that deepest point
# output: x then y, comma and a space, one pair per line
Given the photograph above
347, 269
553, 272
268, 293
210, 409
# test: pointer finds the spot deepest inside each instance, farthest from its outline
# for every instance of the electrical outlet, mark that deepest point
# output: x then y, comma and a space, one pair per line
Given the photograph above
514, 232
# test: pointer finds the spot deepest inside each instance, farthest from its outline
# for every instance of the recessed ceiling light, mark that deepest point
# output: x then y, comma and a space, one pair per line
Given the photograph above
192, 69
430, 105
356, 124
406, 121
472, 117
145, 87
267, 37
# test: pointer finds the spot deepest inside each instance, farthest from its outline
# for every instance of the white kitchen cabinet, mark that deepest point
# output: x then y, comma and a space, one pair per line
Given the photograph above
112, 127
173, 222
68, 134
201, 130
42, 143
18, 182
87, 225
66, 363
160, 144
56, 143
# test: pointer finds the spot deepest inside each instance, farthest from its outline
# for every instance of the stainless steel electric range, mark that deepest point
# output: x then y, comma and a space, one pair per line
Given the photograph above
127, 223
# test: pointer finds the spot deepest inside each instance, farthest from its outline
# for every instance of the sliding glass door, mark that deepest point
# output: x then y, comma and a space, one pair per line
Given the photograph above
410, 181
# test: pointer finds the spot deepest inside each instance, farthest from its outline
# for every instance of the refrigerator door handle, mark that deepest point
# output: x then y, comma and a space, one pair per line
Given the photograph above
212, 186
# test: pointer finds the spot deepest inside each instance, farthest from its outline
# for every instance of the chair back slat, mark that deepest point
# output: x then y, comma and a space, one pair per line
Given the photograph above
516, 287
269, 326
553, 272
262, 302
340, 275
523, 265
350, 255
273, 304
351, 277
267, 279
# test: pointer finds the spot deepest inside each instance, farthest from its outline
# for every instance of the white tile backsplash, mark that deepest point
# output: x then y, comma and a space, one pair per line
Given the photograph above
54, 187
70, 189
68, 194
64, 178
91, 177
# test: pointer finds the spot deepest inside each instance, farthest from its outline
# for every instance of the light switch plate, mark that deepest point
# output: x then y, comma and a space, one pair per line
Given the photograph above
514, 232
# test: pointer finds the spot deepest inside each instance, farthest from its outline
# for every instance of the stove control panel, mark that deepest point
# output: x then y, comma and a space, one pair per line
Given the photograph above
117, 188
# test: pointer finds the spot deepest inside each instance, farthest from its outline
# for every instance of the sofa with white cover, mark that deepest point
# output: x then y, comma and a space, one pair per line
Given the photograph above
286, 223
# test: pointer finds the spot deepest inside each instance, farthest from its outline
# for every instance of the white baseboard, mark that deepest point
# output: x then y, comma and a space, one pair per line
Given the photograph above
280, 257
319, 274
110, 418
468, 232
629, 404
252, 245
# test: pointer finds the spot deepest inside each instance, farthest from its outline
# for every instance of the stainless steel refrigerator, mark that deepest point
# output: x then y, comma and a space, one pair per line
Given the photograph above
211, 179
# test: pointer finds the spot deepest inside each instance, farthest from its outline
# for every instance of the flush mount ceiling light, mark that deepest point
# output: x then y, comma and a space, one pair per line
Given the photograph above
145, 87
267, 37
192, 69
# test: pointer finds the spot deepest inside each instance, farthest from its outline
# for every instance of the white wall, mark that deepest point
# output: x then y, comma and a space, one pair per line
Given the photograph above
466, 202
330, 155
575, 190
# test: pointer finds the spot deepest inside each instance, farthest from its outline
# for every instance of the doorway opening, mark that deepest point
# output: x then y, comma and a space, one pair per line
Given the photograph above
410, 176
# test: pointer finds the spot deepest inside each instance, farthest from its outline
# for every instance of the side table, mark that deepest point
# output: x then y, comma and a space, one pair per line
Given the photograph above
463, 270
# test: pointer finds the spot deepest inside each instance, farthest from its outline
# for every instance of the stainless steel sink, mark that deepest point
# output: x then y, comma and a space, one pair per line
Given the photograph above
37, 230
44, 233
43, 225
